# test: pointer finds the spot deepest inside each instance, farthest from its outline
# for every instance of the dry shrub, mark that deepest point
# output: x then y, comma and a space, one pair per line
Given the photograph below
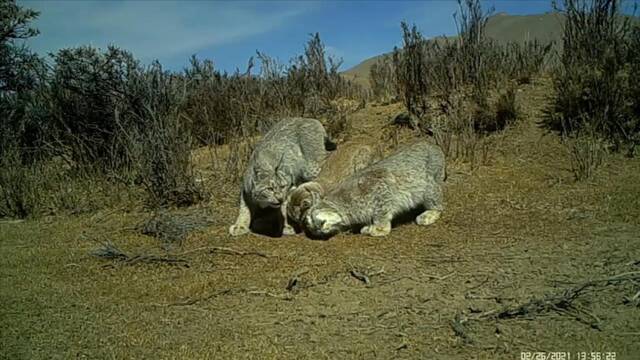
382, 76
594, 82
410, 67
462, 89
47, 187
456, 133
127, 124
503, 112
18, 186
166, 169
587, 152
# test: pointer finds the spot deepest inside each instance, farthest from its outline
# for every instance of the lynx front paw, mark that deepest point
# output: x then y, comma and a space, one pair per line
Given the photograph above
237, 230
376, 230
288, 230
428, 217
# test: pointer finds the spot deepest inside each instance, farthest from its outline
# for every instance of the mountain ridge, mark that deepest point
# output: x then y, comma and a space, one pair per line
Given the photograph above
501, 27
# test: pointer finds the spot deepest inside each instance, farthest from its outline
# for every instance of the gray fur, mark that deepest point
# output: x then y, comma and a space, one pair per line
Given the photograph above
290, 153
349, 158
404, 181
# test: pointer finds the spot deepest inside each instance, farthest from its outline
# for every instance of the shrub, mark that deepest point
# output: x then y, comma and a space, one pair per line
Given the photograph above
592, 83
22, 75
382, 79
587, 152
87, 89
411, 69
121, 122
523, 61
506, 110
18, 186
166, 168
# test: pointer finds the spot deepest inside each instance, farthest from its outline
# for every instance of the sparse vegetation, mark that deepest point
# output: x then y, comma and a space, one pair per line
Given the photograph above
439, 77
383, 79
410, 66
595, 90
587, 154
117, 120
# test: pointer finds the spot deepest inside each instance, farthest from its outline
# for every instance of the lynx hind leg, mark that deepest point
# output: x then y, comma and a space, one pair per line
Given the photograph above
433, 205
380, 227
243, 221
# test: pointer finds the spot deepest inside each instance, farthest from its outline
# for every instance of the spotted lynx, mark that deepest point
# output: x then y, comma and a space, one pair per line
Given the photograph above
345, 161
409, 179
290, 153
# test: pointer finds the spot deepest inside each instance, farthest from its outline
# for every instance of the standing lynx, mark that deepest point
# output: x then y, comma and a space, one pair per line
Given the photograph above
290, 153
406, 180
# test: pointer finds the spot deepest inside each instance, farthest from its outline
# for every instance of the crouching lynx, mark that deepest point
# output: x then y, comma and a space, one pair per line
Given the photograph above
410, 178
290, 153
345, 161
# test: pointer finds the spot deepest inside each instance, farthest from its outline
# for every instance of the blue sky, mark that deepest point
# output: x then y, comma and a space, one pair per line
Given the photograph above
229, 32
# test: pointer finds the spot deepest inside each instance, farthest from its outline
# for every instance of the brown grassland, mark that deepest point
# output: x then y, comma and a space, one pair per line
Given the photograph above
523, 259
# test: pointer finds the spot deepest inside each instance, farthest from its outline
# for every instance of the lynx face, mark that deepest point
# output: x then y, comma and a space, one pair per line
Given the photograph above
301, 199
271, 191
323, 221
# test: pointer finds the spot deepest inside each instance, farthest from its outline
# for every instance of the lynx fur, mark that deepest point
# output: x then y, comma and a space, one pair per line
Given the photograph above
409, 179
349, 158
290, 153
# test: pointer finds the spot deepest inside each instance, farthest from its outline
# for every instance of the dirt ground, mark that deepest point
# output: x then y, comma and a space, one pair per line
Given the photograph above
524, 259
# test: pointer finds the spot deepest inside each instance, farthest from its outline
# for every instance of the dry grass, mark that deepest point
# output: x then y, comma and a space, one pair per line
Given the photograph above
516, 228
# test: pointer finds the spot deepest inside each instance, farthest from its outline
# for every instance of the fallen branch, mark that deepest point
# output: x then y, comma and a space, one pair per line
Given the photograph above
111, 252
285, 296
225, 250
360, 276
561, 302
365, 277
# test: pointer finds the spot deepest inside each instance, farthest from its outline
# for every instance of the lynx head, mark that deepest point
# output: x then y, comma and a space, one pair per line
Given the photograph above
271, 185
302, 198
322, 220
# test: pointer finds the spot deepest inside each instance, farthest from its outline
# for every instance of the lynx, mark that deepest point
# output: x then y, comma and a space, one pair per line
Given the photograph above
409, 179
290, 153
345, 161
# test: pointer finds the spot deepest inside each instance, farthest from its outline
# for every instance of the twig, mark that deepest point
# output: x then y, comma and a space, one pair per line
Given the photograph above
562, 302
111, 252
436, 277
225, 250
360, 276
278, 296
498, 298
295, 279
457, 324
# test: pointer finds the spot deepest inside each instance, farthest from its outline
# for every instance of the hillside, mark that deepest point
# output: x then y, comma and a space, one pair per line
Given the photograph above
501, 27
